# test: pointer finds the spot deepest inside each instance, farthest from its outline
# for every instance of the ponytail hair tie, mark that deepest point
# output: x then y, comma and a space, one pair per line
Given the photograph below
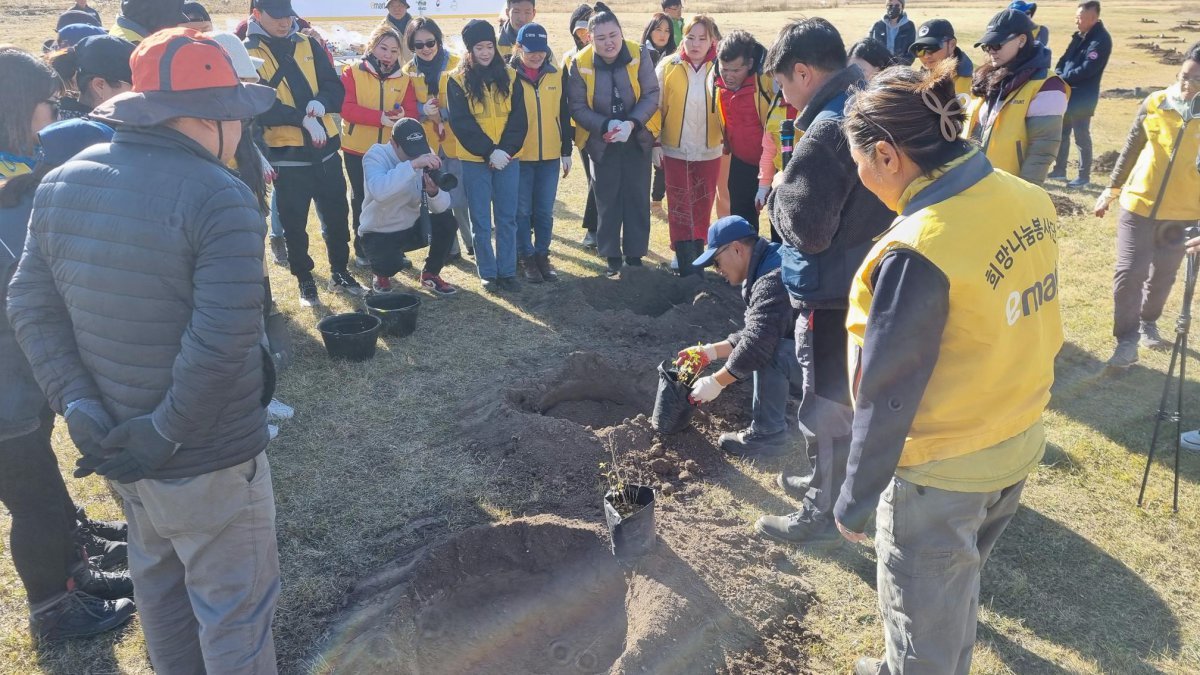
947, 113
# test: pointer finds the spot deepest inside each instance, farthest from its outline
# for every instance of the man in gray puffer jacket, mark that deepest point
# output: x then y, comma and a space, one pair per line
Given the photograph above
138, 301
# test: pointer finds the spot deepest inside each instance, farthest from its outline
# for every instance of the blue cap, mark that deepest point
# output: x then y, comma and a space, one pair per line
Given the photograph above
1023, 7
72, 34
724, 231
63, 140
532, 38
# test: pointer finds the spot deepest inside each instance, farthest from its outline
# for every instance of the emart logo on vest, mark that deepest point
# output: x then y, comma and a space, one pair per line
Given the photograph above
1024, 303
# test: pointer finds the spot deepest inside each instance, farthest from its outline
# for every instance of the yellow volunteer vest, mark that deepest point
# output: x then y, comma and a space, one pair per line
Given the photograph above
1164, 128
125, 33
775, 116
586, 60
288, 136
962, 88
377, 94
996, 242
1006, 140
491, 113
446, 142
542, 106
673, 101
10, 169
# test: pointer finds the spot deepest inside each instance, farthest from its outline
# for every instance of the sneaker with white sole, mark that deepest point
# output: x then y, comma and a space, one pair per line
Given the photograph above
343, 281
278, 410
381, 284
435, 283
308, 293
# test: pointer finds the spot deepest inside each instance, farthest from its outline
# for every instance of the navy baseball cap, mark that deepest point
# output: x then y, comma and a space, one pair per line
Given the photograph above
278, 9
724, 231
933, 33
532, 38
1005, 25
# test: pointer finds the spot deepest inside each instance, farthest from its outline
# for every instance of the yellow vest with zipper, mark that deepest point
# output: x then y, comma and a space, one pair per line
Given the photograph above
491, 114
543, 104
12, 169
448, 143
673, 102
586, 58
377, 94
1164, 128
775, 116
1006, 140
996, 242
124, 33
289, 136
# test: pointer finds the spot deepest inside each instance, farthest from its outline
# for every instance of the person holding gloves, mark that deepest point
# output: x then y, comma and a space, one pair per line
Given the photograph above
547, 149
613, 94
762, 349
1081, 66
487, 115
1156, 184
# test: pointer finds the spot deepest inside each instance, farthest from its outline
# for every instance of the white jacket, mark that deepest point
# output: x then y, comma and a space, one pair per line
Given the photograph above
392, 192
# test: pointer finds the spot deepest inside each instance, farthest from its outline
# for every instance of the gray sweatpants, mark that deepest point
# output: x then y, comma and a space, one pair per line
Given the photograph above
931, 546
1148, 257
205, 568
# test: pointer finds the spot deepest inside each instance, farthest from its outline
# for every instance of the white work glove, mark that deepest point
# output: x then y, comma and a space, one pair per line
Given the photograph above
268, 171
656, 156
387, 121
566, 165
706, 389
613, 124
315, 109
499, 159
430, 108
1104, 201
624, 131
313, 126
760, 197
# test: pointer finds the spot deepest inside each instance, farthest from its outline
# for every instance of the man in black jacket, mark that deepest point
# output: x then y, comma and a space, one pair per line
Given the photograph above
896, 31
762, 349
1081, 66
139, 303
827, 219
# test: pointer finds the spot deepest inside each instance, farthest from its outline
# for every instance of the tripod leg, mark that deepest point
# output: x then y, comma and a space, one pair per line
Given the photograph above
1161, 414
1182, 340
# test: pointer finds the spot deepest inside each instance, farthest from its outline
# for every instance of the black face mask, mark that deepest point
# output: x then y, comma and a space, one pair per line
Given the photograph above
893, 12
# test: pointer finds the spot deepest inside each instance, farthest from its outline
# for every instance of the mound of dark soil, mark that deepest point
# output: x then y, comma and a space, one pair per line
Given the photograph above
1065, 206
1105, 162
645, 291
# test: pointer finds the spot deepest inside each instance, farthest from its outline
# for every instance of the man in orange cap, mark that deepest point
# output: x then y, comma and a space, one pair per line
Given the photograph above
139, 304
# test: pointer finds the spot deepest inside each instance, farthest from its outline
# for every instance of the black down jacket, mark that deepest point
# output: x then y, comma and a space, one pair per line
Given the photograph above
141, 286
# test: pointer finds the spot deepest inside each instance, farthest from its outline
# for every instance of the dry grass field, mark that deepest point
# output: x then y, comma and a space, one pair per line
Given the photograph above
376, 463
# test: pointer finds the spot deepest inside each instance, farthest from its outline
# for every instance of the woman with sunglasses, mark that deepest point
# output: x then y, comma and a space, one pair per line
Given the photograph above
30, 102
659, 39
1156, 183
1017, 113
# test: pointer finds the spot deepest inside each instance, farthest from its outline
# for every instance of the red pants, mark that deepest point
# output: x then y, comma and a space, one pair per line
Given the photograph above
691, 188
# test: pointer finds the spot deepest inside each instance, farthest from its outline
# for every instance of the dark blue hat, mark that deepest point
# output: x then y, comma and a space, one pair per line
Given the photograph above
278, 9
532, 38
74, 16
71, 35
63, 140
724, 231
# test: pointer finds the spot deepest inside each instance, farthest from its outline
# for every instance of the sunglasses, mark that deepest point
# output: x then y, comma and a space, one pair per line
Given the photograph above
716, 259
922, 50
428, 44
992, 49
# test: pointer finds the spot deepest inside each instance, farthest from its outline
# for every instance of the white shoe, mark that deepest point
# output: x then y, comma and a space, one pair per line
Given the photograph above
278, 410
272, 431
1190, 441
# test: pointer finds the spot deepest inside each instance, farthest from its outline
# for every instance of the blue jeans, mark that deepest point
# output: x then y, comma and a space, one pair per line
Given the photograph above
773, 384
493, 193
535, 205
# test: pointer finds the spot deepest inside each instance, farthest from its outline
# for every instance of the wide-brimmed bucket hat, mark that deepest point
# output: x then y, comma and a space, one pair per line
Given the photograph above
180, 72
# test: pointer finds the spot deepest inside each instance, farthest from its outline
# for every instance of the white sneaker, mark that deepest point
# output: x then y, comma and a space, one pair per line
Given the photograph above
272, 431
278, 410
1190, 441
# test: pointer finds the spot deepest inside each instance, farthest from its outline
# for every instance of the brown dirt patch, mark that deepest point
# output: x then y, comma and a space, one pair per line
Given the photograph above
1065, 206
1106, 162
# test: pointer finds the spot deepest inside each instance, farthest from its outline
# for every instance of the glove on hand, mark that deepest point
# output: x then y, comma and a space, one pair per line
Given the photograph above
760, 197
499, 159
706, 390
566, 165
656, 156
387, 121
88, 423
624, 131
707, 354
1104, 201
430, 108
269, 172
313, 126
140, 449
315, 109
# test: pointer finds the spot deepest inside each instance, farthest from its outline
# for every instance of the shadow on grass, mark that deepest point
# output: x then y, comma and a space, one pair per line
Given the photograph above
99, 653
1068, 591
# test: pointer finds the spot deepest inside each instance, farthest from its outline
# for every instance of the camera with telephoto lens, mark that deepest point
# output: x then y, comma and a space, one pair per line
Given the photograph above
444, 181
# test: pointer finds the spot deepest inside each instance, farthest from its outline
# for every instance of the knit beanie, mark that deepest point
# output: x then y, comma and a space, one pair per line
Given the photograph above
477, 31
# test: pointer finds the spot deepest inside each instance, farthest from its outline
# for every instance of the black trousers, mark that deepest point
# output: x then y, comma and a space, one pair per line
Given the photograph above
325, 184
658, 188
743, 185
590, 215
354, 173
43, 515
622, 190
386, 250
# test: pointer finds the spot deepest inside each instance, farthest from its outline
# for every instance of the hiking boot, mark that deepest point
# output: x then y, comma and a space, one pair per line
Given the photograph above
633, 261
1081, 182
381, 284
1124, 356
308, 293
101, 584
279, 250
532, 274
795, 487
589, 239
341, 280
866, 665
77, 614
490, 285
749, 444
508, 284
613, 271
112, 530
434, 283
544, 266
1190, 441
278, 410
802, 528
1057, 176
107, 555
657, 210
1151, 338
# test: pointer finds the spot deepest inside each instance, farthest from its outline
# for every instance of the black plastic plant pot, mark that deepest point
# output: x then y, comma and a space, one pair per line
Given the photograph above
350, 336
398, 311
630, 517
672, 410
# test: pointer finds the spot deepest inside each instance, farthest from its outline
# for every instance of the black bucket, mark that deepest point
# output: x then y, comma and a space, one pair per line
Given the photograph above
350, 336
632, 535
397, 311
672, 410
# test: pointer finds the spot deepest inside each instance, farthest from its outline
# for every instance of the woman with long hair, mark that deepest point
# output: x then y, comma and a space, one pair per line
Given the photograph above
487, 115
1017, 112
94, 70
429, 69
659, 38
692, 140
1157, 188
30, 102
964, 285
378, 92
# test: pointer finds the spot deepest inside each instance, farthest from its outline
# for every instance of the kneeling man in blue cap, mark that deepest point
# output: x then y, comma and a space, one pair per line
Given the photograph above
763, 349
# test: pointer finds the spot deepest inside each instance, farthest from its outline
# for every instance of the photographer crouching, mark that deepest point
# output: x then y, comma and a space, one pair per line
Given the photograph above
403, 187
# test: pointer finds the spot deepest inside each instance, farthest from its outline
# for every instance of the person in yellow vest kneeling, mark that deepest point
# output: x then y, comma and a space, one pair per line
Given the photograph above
964, 285
1156, 182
